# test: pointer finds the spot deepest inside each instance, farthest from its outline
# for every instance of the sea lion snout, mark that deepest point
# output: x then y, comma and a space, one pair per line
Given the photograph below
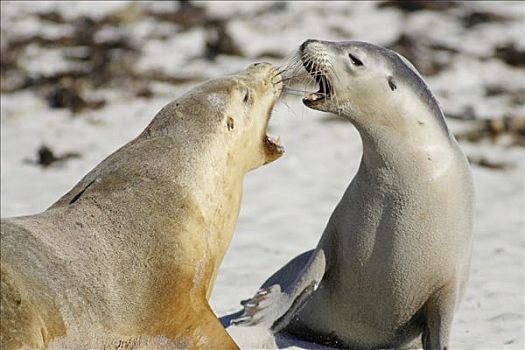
266, 72
253, 94
313, 47
260, 70
308, 42
260, 66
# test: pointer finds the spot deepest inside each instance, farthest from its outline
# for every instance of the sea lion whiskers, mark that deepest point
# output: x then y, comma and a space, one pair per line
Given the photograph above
321, 72
312, 72
292, 91
290, 64
291, 67
285, 68
309, 67
293, 77
288, 71
296, 67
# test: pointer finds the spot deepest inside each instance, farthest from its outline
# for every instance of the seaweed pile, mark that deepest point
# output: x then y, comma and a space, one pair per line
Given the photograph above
71, 61
97, 54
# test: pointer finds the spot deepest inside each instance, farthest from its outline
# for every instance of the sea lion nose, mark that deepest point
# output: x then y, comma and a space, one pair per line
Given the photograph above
260, 69
307, 42
260, 65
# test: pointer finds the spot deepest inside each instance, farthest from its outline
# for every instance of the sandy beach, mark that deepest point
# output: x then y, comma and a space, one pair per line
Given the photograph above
470, 54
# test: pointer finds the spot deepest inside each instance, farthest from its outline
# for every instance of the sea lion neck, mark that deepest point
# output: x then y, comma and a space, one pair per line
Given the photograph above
412, 143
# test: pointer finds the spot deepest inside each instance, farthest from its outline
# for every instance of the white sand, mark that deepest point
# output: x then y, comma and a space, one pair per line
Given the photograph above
287, 203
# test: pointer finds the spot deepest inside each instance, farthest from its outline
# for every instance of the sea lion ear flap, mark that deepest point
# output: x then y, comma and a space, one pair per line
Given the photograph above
391, 83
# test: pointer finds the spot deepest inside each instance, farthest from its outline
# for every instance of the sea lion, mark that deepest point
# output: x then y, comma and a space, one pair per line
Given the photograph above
129, 256
394, 258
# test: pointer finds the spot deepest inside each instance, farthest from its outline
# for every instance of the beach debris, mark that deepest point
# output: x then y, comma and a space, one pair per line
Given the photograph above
475, 18
144, 91
219, 41
507, 131
96, 60
511, 55
516, 96
185, 14
66, 94
468, 113
490, 163
429, 58
46, 157
414, 6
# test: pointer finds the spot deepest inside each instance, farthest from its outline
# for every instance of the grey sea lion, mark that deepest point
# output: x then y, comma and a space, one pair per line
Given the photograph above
393, 261
128, 258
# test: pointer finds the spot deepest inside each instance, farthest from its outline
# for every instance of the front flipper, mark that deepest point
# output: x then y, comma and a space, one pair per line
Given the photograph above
285, 293
439, 313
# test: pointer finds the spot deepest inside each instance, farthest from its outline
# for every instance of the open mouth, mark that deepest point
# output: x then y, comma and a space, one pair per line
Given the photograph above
272, 145
325, 87
272, 148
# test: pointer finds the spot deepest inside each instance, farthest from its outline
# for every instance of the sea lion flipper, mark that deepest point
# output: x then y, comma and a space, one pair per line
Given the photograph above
274, 305
439, 312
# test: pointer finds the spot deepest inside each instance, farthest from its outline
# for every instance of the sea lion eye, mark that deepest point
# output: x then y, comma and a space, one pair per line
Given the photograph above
392, 83
355, 61
229, 123
247, 96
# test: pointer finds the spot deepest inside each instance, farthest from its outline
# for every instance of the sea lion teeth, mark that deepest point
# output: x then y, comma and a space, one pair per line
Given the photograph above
276, 142
314, 96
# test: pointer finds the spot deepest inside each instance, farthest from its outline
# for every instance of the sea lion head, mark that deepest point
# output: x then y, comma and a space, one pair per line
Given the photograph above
364, 82
230, 114
251, 96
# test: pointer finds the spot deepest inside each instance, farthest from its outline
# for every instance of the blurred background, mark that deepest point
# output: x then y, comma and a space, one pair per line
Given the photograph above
79, 79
